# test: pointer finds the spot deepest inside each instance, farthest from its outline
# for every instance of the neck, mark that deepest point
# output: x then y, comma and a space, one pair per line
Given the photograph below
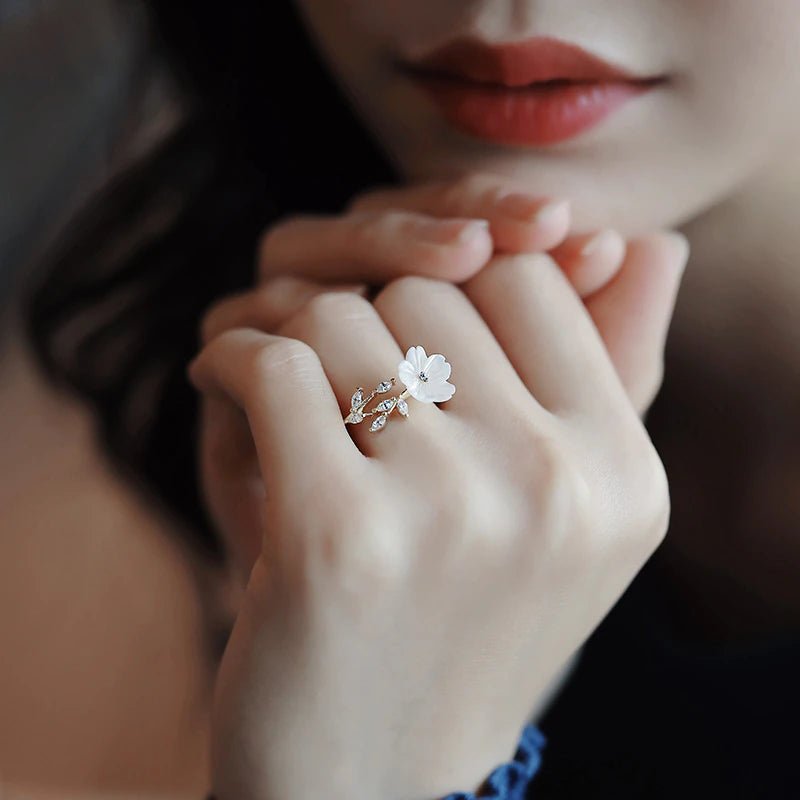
727, 422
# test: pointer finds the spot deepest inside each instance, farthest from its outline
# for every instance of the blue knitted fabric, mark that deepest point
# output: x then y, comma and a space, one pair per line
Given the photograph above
510, 781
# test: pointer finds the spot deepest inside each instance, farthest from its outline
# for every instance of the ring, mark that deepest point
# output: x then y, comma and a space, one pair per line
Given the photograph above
425, 378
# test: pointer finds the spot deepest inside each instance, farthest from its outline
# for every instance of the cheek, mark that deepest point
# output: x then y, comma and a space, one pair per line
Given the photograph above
743, 80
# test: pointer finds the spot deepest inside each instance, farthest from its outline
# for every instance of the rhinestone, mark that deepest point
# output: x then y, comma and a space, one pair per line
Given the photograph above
402, 407
357, 399
378, 423
354, 416
387, 404
383, 387
423, 377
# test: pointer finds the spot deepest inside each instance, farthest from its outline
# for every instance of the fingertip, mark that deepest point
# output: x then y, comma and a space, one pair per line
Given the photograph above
590, 260
607, 245
672, 243
553, 213
543, 228
679, 244
467, 252
473, 253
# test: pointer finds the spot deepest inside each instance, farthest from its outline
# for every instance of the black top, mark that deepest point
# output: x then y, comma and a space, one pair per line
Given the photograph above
647, 716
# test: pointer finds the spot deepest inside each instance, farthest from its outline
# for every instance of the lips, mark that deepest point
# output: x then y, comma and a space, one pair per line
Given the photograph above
535, 92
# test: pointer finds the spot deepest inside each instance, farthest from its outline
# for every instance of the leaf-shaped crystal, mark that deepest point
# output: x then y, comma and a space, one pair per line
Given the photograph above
378, 423
383, 387
357, 399
354, 417
387, 404
402, 407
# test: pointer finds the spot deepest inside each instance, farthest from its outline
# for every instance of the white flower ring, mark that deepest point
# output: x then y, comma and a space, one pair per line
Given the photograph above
425, 378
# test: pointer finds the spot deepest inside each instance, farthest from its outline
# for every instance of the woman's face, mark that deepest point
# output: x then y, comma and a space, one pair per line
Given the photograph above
642, 112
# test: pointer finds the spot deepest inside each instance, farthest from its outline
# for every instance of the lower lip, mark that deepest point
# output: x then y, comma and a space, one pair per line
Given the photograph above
536, 116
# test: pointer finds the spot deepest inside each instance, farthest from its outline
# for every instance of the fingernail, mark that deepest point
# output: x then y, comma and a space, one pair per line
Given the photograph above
471, 231
550, 212
529, 208
522, 207
452, 231
603, 240
681, 244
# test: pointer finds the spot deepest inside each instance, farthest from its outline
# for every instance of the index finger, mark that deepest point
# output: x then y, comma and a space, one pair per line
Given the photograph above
290, 406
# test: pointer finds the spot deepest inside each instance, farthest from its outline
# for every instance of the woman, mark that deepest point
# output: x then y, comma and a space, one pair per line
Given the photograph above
413, 593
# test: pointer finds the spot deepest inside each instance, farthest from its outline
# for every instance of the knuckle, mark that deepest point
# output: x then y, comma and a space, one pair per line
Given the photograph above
327, 308
272, 238
407, 289
267, 239
476, 185
213, 321
654, 498
536, 270
373, 564
366, 558
393, 222
558, 489
209, 324
645, 495
281, 358
368, 228
649, 385
568, 506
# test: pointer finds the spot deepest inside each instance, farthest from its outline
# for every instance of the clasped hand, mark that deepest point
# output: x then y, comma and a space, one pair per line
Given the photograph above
410, 595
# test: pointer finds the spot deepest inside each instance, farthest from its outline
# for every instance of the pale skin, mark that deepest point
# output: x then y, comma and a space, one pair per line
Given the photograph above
630, 195
279, 365
417, 524
666, 175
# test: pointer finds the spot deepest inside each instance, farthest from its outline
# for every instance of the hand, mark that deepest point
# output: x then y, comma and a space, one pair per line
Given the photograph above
438, 230
407, 608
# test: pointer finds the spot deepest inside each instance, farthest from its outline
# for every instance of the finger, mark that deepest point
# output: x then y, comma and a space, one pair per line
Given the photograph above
634, 310
547, 333
439, 316
357, 350
233, 488
590, 260
281, 386
375, 247
519, 221
267, 306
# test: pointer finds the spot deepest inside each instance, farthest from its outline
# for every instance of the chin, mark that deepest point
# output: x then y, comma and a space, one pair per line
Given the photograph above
641, 171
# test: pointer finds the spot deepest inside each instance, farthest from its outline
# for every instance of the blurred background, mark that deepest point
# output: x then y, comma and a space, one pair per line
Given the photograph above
93, 593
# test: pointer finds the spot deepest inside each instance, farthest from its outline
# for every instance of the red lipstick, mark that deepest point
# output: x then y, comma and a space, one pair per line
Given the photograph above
535, 92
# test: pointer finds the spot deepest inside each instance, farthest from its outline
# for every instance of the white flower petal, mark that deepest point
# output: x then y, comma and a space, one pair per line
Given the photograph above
433, 392
436, 368
441, 392
407, 373
419, 391
420, 357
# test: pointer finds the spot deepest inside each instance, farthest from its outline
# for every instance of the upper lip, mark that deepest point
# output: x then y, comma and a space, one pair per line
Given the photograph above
520, 63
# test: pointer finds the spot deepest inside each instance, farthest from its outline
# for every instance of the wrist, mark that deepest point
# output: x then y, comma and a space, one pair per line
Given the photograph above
507, 781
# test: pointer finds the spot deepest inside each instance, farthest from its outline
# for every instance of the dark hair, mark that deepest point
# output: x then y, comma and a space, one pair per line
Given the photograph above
114, 314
